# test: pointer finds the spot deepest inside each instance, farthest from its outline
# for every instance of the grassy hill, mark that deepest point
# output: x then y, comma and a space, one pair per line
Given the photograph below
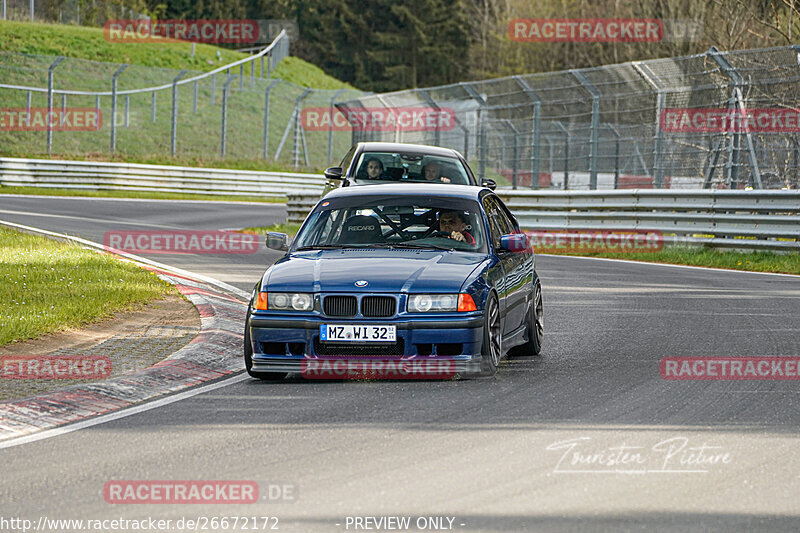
89, 43
27, 49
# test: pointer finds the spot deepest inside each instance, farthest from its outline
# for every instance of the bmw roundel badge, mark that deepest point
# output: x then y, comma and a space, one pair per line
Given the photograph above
361, 283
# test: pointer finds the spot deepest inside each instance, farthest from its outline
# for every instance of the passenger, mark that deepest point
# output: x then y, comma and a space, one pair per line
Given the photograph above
431, 173
453, 223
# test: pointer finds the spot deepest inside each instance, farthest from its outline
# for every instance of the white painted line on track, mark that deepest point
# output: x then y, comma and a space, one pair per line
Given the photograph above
120, 222
669, 265
122, 413
111, 199
136, 258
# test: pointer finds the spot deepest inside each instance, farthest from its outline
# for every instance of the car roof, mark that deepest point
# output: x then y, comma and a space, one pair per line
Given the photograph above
442, 190
404, 147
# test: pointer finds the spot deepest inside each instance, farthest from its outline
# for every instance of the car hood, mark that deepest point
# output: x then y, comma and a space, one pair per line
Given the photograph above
383, 270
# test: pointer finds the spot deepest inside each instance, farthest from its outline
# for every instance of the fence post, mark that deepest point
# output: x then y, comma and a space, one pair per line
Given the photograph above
194, 98
127, 110
174, 131
515, 162
536, 123
224, 129
96, 102
31, 7
114, 106
658, 152
330, 126
266, 117
153, 108
594, 138
737, 104
566, 151
4, 9
297, 127
616, 153
63, 109
294, 119
49, 97
241, 76
28, 107
481, 127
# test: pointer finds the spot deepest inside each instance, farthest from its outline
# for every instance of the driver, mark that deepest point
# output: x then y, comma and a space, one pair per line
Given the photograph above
453, 223
431, 173
374, 168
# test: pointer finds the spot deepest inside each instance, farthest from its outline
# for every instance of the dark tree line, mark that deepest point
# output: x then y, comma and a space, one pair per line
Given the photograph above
386, 45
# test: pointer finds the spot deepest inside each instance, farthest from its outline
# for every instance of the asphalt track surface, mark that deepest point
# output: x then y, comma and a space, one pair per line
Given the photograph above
485, 451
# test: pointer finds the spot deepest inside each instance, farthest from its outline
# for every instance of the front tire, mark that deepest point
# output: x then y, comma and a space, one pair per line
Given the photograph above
535, 325
248, 356
492, 348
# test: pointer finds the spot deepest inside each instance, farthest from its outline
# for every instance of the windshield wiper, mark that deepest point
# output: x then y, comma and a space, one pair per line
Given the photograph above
409, 245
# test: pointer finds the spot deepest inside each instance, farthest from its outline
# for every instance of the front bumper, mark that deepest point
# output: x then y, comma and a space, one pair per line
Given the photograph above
284, 343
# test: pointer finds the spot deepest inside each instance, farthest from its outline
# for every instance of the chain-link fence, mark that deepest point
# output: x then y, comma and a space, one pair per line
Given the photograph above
714, 120
236, 111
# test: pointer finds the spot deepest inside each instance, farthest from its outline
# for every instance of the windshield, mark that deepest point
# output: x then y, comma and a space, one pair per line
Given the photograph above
424, 223
410, 166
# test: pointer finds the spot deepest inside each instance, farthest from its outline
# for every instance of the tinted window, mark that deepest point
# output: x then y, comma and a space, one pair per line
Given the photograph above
410, 166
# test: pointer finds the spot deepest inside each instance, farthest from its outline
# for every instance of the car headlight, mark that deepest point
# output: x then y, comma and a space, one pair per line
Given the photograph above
288, 301
432, 303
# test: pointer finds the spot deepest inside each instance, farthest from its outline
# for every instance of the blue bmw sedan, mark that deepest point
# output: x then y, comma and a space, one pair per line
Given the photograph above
437, 277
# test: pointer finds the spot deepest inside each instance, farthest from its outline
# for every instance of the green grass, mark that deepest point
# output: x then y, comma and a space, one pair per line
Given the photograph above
290, 229
48, 286
82, 42
134, 194
91, 61
787, 263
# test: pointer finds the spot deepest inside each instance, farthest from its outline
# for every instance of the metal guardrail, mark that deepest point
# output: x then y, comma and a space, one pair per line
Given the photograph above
93, 175
758, 220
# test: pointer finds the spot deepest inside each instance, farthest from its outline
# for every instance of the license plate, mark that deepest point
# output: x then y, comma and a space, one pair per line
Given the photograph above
357, 333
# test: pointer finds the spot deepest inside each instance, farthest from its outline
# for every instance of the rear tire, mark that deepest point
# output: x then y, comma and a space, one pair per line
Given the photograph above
248, 356
492, 347
535, 326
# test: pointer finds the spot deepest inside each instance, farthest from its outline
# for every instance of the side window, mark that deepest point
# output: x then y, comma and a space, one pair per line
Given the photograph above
506, 219
493, 215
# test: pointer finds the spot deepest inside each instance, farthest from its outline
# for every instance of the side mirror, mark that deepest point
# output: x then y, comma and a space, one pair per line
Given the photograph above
334, 173
486, 182
515, 242
277, 241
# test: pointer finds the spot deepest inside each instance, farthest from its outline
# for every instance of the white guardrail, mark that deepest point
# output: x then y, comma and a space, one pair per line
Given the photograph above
48, 173
757, 219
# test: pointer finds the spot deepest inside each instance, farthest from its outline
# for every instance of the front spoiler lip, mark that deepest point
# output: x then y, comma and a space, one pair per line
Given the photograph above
462, 366
403, 324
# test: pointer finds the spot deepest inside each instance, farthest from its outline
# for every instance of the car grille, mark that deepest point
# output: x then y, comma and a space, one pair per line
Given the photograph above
336, 305
378, 306
359, 350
